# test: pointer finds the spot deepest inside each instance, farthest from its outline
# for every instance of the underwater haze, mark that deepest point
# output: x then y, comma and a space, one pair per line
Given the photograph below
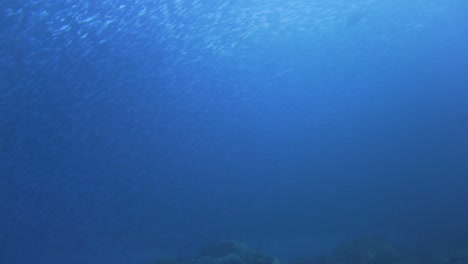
137, 129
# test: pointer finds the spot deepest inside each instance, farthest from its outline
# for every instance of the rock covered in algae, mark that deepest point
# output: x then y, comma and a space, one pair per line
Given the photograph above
232, 252
225, 252
227, 259
460, 256
367, 251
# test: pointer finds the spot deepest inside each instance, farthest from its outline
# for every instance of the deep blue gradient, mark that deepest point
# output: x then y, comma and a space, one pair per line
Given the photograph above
133, 129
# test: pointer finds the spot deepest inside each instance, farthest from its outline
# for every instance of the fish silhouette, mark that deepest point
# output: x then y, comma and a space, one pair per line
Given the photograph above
355, 18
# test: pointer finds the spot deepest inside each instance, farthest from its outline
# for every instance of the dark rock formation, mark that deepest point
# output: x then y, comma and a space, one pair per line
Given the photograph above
225, 252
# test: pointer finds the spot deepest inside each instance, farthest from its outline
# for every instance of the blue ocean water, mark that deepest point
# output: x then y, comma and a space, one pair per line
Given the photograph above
138, 129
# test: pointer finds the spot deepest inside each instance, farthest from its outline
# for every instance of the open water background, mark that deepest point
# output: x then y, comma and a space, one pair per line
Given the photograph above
133, 129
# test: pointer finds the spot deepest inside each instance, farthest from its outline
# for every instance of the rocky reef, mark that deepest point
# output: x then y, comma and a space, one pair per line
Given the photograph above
225, 252
367, 251
370, 250
374, 250
459, 256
